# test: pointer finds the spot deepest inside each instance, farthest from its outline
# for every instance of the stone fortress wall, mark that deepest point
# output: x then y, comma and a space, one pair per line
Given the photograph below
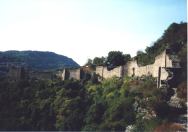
75, 74
157, 69
71, 74
161, 60
103, 72
133, 69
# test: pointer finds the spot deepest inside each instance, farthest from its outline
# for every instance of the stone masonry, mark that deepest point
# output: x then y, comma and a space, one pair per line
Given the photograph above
158, 69
71, 74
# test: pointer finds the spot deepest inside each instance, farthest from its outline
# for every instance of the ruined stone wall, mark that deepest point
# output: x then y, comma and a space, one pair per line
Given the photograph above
63, 74
114, 72
151, 69
103, 72
132, 68
70, 74
164, 74
74, 74
99, 70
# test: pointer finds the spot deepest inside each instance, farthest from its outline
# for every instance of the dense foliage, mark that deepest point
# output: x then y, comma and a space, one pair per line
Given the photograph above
117, 58
114, 59
33, 104
175, 38
37, 60
99, 61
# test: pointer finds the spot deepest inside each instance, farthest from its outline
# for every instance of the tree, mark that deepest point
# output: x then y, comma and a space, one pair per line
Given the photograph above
117, 58
89, 62
144, 59
139, 52
127, 57
99, 61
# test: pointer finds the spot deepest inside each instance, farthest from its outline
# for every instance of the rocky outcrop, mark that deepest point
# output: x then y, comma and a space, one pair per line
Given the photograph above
175, 101
141, 109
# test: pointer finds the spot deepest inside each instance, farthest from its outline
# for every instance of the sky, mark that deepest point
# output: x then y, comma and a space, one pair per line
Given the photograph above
82, 29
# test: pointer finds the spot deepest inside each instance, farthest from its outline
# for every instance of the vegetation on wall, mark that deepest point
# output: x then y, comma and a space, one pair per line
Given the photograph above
114, 59
174, 37
117, 58
99, 61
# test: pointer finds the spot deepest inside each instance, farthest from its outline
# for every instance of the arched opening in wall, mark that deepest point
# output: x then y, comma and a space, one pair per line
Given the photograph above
133, 72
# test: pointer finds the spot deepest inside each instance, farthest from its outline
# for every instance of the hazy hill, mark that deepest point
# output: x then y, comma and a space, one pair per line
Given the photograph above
37, 60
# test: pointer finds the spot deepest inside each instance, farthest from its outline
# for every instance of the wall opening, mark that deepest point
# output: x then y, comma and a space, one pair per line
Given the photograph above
159, 77
133, 72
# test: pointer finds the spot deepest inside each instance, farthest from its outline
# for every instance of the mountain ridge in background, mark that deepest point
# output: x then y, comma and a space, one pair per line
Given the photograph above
37, 60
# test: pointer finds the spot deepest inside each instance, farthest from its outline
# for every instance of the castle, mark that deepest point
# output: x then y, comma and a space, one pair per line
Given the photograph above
161, 69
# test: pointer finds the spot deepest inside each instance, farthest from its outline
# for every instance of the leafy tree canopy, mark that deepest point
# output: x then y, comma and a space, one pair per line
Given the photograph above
99, 61
117, 58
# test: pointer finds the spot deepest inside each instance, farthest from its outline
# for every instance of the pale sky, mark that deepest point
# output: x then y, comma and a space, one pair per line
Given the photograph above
82, 29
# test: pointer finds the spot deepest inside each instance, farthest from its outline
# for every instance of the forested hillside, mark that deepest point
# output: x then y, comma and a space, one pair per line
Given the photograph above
37, 60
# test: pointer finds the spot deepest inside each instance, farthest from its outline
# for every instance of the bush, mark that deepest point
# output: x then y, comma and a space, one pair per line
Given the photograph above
146, 125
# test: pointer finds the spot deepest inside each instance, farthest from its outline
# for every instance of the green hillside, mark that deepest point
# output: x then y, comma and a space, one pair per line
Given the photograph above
37, 60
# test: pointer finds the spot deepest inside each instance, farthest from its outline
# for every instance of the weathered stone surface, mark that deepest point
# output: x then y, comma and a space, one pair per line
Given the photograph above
161, 60
133, 69
75, 74
71, 74
157, 69
175, 101
102, 71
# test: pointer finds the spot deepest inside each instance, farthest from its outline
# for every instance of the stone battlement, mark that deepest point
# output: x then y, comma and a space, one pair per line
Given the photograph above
133, 69
157, 69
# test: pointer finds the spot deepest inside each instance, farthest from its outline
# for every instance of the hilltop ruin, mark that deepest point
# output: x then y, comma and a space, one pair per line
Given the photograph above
165, 66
